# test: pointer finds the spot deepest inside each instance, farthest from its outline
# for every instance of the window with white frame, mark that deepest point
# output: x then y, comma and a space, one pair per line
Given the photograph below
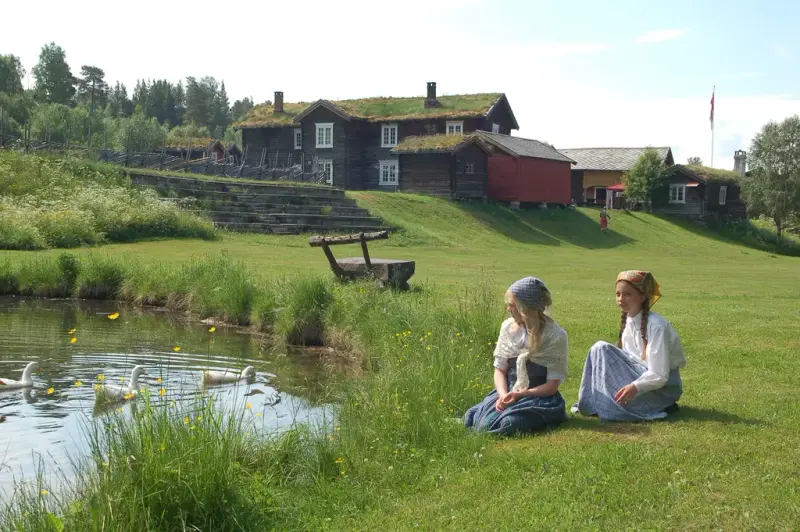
495, 128
469, 168
324, 135
298, 139
677, 193
325, 167
388, 173
723, 195
455, 128
388, 135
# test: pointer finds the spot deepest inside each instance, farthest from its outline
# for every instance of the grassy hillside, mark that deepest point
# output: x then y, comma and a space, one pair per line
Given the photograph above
63, 203
726, 460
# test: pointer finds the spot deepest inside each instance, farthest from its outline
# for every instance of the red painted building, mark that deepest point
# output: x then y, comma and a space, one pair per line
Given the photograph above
527, 171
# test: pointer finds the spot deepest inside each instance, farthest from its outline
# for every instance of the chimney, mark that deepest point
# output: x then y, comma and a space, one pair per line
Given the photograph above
740, 162
430, 100
277, 106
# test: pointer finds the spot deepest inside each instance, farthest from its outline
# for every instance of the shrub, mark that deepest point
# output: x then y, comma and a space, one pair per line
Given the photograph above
70, 268
40, 276
17, 230
9, 283
218, 286
100, 278
64, 227
305, 303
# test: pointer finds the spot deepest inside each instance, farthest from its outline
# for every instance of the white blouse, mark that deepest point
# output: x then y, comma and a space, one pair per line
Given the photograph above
513, 342
664, 350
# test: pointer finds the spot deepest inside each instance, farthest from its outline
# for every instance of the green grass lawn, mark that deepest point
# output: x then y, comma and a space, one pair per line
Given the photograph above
727, 460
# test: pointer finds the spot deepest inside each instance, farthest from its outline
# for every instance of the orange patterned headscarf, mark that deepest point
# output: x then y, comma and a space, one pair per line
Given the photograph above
643, 282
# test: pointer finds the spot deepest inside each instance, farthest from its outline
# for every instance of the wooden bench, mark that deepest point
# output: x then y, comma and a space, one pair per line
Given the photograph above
394, 273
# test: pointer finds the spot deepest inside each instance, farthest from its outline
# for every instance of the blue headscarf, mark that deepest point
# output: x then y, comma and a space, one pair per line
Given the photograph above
529, 291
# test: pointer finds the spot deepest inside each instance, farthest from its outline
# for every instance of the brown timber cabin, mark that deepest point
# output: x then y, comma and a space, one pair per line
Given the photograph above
353, 141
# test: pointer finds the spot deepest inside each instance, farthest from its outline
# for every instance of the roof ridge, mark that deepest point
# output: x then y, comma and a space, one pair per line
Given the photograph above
620, 148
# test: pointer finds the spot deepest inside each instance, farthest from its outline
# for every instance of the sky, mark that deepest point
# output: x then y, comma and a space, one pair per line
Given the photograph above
577, 73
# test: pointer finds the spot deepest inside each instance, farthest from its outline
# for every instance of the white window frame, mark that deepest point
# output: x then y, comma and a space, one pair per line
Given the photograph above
297, 134
495, 127
469, 168
457, 127
327, 139
679, 194
388, 165
321, 167
386, 135
723, 194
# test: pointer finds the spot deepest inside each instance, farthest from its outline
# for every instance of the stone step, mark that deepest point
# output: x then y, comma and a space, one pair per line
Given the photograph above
302, 219
268, 208
257, 199
208, 185
293, 229
332, 212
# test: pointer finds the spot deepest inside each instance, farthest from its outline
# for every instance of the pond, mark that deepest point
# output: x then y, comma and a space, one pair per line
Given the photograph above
81, 344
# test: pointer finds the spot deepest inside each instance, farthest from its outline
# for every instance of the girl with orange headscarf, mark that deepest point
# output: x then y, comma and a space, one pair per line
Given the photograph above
639, 378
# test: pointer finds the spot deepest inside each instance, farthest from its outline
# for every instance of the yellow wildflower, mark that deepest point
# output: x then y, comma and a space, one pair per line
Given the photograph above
212, 329
78, 384
113, 316
73, 340
71, 331
158, 380
101, 377
162, 392
177, 348
258, 414
248, 405
129, 396
186, 420
119, 410
45, 492
50, 390
339, 460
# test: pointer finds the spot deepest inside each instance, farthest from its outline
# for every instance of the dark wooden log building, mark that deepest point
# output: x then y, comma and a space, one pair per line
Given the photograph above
455, 166
353, 141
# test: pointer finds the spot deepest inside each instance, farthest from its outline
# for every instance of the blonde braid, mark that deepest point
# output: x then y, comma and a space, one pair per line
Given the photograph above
645, 312
622, 320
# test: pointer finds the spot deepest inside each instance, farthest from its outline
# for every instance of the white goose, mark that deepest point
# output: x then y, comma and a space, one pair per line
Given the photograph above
26, 382
109, 392
219, 377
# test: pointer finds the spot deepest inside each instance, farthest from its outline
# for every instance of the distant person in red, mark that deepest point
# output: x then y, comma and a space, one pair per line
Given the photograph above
604, 218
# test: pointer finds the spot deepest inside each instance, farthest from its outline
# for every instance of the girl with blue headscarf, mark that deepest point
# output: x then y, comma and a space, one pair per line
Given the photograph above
530, 362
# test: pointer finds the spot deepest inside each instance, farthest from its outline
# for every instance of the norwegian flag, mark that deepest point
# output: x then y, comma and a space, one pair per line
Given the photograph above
711, 117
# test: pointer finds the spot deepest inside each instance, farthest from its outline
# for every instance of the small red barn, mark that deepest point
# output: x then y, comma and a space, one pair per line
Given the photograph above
527, 171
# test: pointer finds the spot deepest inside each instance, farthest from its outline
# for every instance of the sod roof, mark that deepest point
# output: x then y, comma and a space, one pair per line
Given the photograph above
196, 142
378, 109
435, 143
711, 174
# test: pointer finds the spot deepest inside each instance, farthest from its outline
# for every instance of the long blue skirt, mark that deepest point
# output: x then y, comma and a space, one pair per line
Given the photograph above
607, 370
526, 415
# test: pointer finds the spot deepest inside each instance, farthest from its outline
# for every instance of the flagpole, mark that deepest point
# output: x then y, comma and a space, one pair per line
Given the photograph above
713, 97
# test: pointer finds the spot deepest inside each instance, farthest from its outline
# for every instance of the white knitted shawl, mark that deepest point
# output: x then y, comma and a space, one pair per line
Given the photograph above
553, 352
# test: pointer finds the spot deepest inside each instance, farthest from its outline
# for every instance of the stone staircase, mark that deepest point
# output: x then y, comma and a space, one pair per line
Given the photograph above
266, 207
